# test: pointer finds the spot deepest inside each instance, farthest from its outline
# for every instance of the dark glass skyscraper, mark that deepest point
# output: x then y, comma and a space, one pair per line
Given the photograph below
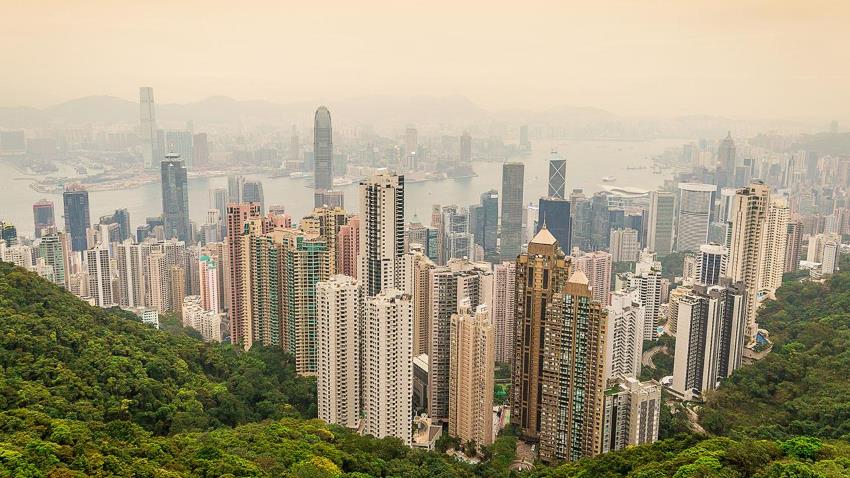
175, 198
486, 223
252, 191
77, 218
43, 216
513, 175
323, 150
555, 214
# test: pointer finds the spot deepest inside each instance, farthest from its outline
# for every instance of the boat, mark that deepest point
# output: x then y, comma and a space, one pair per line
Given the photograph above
608, 179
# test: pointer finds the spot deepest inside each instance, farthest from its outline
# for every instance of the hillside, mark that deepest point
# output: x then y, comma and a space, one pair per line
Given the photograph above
66, 359
88, 392
803, 386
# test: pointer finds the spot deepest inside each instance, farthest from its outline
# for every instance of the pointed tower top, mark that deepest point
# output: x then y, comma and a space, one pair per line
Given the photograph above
544, 237
578, 277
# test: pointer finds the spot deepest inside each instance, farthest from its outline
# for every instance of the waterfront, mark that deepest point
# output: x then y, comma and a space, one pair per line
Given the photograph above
587, 163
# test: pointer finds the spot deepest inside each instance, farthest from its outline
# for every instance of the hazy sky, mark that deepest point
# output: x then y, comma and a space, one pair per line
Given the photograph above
737, 58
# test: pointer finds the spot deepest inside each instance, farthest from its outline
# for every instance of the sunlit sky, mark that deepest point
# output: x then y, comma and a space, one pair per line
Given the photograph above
733, 58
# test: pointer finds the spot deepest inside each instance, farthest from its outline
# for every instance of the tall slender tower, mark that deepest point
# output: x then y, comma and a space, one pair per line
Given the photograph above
77, 216
749, 215
175, 198
573, 374
471, 375
388, 365
726, 158
339, 304
504, 308
381, 231
147, 127
774, 247
540, 273
237, 283
512, 187
323, 150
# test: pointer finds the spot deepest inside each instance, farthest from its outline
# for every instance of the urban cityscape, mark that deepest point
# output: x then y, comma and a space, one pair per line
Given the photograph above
533, 290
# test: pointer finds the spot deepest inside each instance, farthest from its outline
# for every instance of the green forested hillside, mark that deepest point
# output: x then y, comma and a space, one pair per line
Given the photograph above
87, 392
803, 386
66, 359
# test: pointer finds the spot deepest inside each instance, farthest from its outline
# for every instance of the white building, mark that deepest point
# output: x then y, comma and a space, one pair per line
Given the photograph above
339, 309
632, 413
624, 334
388, 365
774, 244
693, 215
99, 268
206, 322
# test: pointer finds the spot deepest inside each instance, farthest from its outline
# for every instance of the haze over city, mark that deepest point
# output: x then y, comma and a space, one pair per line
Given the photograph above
735, 59
470, 239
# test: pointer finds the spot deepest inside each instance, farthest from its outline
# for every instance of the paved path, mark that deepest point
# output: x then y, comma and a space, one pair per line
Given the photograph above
646, 358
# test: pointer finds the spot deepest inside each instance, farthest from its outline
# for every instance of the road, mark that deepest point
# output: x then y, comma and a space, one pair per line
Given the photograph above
646, 358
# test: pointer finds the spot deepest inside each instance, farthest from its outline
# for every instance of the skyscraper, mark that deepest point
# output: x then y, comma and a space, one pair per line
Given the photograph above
774, 247
99, 268
180, 142
175, 198
147, 128
709, 337
600, 222
504, 307
53, 248
557, 177
348, 247
794, 243
624, 245
582, 218
238, 299
77, 217
597, 267
305, 260
694, 215
252, 191
726, 158
200, 150
323, 150
632, 413
555, 214
465, 148
470, 413
448, 287
624, 341
235, 184
540, 273
388, 365
43, 216
749, 215
660, 222
381, 231
486, 231
339, 304
711, 264
573, 374
512, 202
